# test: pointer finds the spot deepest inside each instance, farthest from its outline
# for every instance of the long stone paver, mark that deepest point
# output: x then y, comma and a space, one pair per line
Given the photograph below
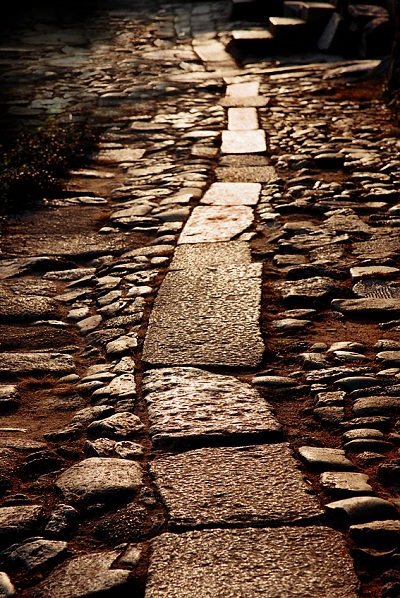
193, 199
207, 309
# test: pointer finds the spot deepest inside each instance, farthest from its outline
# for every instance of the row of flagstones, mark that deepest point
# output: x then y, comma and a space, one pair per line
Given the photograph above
207, 313
220, 460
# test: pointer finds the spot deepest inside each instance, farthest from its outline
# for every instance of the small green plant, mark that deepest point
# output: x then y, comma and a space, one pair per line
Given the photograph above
35, 166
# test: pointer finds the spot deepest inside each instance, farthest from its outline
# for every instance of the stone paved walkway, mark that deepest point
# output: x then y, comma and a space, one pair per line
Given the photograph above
199, 344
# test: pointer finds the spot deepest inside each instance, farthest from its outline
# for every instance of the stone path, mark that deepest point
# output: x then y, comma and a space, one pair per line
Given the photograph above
200, 370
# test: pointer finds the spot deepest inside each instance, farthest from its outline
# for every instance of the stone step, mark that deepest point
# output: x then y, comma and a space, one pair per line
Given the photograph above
285, 27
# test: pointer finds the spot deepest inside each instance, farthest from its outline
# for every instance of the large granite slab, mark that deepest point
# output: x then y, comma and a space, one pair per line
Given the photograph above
192, 407
208, 224
233, 485
207, 309
232, 194
286, 563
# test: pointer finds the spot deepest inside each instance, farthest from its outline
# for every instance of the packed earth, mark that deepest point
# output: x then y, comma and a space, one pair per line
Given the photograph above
199, 336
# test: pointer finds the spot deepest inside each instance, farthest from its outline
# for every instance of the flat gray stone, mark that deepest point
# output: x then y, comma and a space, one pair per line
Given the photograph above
188, 406
286, 562
379, 405
244, 142
274, 381
308, 292
207, 309
36, 363
99, 478
85, 576
345, 482
368, 307
235, 485
388, 358
18, 521
362, 509
228, 194
328, 459
209, 224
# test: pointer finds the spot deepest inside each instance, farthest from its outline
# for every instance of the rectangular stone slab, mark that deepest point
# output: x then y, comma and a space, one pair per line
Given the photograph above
192, 407
243, 90
232, 194
242, 119
208, 224
233, 485
243, 142
288, 562
207, 309
212, 51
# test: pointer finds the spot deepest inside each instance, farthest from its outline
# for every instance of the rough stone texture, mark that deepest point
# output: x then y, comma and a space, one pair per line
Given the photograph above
246, 174
308, 292
338, 482
35, 554
100, 478
253, 484
228, 194
376, 406
84, 576
243, 142
242, 119
191, 406
325, 458
119, 425
26, 308
209, 224
18, 521
36, 363
285, 562
207, 309
384, 309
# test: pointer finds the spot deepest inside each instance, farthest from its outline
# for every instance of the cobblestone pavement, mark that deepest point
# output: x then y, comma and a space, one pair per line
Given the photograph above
200, 357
